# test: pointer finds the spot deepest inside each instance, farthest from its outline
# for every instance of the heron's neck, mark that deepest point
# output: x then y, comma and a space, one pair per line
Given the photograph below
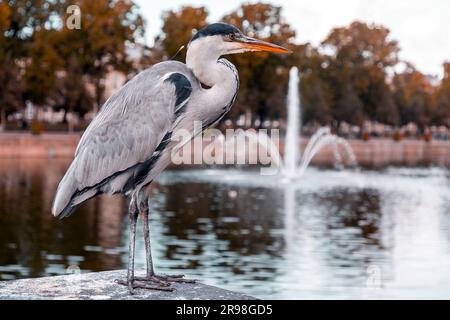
209, 71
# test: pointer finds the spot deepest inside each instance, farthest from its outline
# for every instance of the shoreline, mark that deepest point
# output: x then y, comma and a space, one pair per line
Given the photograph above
375, 153
101, 286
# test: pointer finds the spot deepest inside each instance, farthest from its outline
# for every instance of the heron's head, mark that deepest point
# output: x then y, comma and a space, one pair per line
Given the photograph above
219, 39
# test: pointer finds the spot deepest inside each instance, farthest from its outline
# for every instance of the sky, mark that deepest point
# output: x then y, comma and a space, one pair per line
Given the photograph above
422, 27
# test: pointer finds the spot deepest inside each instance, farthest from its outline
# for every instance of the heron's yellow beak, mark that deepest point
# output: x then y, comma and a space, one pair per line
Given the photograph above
251, 44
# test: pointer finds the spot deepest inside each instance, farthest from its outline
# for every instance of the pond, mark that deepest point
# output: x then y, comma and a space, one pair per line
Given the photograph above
331, 234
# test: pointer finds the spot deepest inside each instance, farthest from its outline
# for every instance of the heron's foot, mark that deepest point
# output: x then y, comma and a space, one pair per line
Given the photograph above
165, 280
134, 284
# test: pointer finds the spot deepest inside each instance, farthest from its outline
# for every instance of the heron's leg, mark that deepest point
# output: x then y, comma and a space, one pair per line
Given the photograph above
148, 249
163, 280
133, 213
131, 283
132, 246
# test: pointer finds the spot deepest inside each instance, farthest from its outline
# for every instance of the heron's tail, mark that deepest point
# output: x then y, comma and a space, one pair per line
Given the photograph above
63, 204
68, 197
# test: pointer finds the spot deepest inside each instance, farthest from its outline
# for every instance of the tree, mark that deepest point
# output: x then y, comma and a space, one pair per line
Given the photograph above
18, 21
315, 100
263, 76
358, 57
55, 76
70, 92
348, 107
178, 28
108, 28
263, 80
316, 97
40, 78
412, 94
385, 109
441, 98
10, 89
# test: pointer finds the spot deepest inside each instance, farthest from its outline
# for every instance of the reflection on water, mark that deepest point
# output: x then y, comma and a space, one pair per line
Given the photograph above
331, 235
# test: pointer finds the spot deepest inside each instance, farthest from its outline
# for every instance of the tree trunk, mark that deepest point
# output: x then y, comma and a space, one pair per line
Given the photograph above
2, 119
248, 118
70, 122
64, 119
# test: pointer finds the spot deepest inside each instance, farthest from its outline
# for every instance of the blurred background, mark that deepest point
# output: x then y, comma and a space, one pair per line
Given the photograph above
377, 74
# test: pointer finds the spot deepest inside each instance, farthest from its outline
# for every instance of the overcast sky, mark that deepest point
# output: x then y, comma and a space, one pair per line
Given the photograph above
422, 27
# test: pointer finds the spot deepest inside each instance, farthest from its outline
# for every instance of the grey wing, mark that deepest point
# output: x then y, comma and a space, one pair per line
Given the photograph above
120, 143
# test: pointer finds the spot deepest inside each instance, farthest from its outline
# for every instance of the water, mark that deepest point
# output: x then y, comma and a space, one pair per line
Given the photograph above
320, 139
294, 163
331, 234
245, 144
292, 149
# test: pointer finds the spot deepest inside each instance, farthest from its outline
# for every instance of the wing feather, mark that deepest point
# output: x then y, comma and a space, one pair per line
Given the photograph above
124, 134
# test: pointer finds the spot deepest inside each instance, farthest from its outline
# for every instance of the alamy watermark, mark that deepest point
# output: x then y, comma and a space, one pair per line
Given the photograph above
73, 20
234, 147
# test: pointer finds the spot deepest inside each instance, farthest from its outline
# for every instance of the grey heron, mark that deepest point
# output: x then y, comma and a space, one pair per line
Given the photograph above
129, 142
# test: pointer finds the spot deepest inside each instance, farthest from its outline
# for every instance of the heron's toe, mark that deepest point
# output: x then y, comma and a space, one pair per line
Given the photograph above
175, 278
143, 283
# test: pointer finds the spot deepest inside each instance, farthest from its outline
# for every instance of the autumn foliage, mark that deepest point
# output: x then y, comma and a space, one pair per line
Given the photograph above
354, 74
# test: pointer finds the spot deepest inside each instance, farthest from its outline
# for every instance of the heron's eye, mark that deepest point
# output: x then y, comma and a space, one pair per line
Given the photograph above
232, 36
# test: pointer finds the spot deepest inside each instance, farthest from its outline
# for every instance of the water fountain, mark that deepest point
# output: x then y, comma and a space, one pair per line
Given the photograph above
292, 145
312, 251
294, 163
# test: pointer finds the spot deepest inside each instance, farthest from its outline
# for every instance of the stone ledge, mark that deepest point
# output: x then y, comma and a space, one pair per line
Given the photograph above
101, 286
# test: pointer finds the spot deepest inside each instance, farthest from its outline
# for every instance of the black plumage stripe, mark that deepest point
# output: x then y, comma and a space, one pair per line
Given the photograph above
140, 169
183, 89
233, 69
144, 168
215, 29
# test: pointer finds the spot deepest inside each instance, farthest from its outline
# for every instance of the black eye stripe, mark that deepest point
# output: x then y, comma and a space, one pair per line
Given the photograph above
216, 29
